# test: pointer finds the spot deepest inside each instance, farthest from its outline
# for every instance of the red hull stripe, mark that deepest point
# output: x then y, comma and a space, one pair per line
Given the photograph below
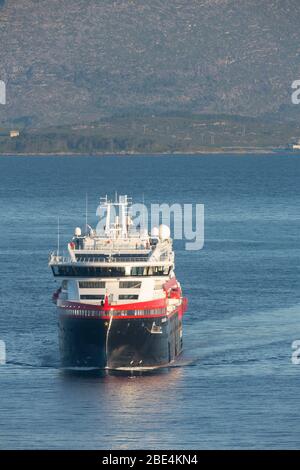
80, 314
149, 305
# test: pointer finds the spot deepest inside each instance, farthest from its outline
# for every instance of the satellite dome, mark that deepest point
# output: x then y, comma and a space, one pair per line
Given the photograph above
164, 232
155, 232
77, 232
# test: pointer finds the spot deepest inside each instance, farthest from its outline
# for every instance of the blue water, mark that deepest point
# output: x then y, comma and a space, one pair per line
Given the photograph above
235, 386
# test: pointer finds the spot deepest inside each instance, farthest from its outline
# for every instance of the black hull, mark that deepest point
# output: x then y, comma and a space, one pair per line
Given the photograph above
133, 343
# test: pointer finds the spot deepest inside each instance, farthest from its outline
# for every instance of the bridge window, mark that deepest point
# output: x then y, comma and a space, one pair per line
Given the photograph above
88, 271
104, 271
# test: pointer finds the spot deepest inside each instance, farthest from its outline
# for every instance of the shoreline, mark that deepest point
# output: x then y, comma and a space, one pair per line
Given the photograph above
221, 151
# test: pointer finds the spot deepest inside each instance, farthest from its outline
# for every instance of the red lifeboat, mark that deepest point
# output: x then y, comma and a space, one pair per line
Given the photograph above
172, 289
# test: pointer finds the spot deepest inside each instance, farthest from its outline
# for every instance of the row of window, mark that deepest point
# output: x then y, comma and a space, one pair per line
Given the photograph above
101, 256
96, 271
150, 271
92, 297
92, 313
129, 296
92, 285
130, 284
101, 297
101, 284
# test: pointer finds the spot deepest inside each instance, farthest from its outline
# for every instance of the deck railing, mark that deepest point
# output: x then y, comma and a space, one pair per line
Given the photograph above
54, 258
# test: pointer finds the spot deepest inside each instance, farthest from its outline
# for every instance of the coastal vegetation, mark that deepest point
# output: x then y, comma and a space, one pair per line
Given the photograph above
153, 134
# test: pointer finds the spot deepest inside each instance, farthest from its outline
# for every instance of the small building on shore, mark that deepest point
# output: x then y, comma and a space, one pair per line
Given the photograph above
14, 133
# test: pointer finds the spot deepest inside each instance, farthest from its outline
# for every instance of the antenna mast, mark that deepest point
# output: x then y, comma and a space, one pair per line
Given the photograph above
86, 212
143, 217
58, 236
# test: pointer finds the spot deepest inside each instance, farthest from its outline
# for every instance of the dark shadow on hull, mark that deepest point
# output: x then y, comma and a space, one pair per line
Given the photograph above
122, 345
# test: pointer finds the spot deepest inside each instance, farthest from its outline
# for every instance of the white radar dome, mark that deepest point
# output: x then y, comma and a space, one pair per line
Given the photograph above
77, 232
164, 232
144, 233
155, 232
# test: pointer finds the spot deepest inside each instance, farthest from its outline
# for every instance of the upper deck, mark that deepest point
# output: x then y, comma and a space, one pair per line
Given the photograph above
117, 261
115, 243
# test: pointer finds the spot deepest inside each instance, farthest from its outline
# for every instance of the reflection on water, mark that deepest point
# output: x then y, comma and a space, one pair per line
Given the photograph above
121, 404
129, 385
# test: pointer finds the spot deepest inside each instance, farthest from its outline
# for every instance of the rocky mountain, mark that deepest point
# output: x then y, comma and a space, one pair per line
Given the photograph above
75, 61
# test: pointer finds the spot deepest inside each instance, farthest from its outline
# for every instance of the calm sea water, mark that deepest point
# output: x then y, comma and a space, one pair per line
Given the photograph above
235, 386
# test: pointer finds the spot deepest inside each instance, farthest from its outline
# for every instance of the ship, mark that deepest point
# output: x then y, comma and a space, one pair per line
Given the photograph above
120, 306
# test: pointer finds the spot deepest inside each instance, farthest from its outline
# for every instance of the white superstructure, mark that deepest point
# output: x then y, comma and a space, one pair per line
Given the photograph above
117, 262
